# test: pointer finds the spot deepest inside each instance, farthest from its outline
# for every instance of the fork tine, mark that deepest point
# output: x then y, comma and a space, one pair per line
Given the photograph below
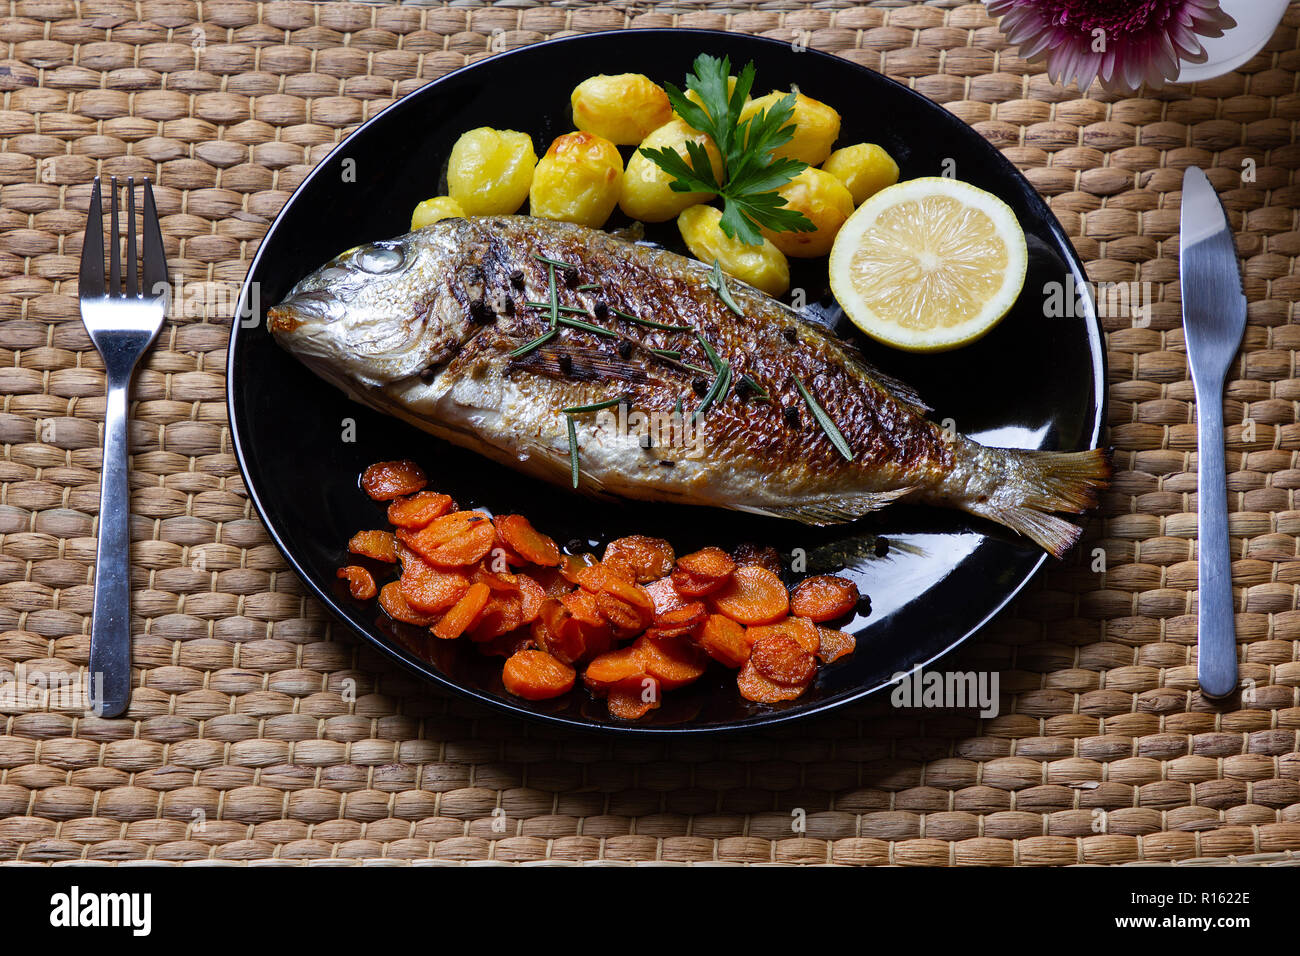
132, 286
114, 262
155, 260
90, 281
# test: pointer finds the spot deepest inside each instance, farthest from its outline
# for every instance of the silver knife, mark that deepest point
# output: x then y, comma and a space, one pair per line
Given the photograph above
1214, 319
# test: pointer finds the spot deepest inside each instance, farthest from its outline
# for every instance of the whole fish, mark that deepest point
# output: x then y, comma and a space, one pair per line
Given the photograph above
452, 328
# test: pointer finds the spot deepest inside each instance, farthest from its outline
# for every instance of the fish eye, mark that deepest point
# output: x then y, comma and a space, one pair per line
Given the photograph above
378, 260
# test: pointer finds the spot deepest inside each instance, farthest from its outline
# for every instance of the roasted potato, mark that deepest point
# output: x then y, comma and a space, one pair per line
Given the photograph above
646, 193
623, 109
763, 266
825, 201
431, 210
490, 171
578, 180
865, 169
816, 127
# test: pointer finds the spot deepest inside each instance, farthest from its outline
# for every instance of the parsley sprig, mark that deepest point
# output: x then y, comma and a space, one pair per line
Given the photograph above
751, 175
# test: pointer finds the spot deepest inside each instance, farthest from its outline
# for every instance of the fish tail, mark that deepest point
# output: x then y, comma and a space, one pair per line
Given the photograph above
1038, 483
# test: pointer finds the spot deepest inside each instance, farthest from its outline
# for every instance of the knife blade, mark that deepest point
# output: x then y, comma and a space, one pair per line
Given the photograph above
1214, 320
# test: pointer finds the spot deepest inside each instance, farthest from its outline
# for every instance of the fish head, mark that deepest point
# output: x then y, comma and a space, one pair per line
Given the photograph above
384, 311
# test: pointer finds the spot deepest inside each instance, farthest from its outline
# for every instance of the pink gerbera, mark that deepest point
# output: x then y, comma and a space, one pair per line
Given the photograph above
1124, 42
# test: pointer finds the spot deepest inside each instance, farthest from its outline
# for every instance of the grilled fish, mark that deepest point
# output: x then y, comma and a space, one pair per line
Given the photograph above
452, 329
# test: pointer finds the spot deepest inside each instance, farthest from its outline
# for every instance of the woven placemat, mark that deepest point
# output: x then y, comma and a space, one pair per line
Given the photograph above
239, 744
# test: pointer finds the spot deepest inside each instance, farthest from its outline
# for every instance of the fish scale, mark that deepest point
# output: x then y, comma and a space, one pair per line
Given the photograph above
424, 326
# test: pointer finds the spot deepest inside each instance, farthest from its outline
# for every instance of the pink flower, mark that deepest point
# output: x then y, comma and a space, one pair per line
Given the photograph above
1123, 42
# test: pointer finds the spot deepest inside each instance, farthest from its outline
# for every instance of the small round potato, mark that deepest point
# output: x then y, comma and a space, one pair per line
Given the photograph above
490, 171
578, 180
764, 267
865, 169
623, 109
825, 201
816, 127
432, 210
647, 194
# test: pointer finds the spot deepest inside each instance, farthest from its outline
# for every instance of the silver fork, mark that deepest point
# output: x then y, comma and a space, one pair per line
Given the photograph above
121, 322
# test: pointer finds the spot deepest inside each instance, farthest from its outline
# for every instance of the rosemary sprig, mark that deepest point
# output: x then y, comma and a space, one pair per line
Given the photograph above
595, 406
667, 353
557, 263
587, 327
573, 449
749, 382
571, 309
551, 292
529, 346
650, 322
718, 283
588, 287
719, 390
825, 422
708, 350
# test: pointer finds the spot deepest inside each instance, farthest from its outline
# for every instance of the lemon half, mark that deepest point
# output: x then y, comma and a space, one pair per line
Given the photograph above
929, 264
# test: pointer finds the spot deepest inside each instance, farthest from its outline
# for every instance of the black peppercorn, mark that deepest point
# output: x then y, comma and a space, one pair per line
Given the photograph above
790, 336
624, 349
566, 363
792, 416
700, 386
517, 279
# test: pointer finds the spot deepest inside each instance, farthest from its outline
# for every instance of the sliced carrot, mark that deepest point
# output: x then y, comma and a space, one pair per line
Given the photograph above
430, 590
551, 580
834, 644
603, 577
572, 564
765, 556
724, 640
502, 614
782, 659
647, 558
633, 699
823, 597
614, 666
395, 606
386, 480
754, 686
361, 583
673, 661
419, 509
797, 628
703, 572
454, 540
531, 597
463, 613
753, 595
526, 541
627, 616
679, 622
536, 675
378, 545
582, 605
557, 633
665, 596
502, 581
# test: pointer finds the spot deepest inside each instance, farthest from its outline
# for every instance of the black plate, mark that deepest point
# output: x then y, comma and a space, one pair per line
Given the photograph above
1034, 382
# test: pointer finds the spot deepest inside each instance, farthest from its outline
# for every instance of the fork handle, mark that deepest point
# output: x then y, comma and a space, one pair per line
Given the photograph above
1216, 666
110, 623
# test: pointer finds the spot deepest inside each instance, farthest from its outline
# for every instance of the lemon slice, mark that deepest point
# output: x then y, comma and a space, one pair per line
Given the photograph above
929, 264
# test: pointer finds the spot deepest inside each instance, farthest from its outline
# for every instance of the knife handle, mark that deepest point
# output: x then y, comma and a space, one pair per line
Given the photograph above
1216, 667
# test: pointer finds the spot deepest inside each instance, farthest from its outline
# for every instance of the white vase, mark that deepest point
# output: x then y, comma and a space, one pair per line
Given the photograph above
1256, 21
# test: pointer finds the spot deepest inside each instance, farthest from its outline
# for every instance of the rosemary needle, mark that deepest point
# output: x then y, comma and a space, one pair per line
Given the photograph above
573, 449
529, 346
824, 420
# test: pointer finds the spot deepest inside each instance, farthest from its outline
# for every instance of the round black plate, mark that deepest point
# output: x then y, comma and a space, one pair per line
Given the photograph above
1034, 382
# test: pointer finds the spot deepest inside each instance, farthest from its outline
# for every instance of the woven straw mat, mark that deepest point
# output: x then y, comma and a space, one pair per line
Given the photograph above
239, 745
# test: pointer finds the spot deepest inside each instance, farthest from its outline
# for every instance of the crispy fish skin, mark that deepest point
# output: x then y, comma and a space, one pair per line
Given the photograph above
429, 326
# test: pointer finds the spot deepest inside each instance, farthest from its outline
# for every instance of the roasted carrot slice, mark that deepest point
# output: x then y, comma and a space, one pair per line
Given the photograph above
626, 617
823, 597
664, 596
781, 658
526, 541
361, 583
572, 564
679, 622
613, 667
753, 595
395, 606
454, 540
502, 614
557, 633
536, 675
419, 509
765, 556
603, 577
673, 661
703, 572
797, 628
724, 640
582, 605
463, 613
531, 597
387, 480
754, 686
430, 590
834, 644
379, 545
633, 699
647, 558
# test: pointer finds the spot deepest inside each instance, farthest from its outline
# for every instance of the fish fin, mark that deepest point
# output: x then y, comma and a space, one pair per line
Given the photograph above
824, 511
1054, 481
